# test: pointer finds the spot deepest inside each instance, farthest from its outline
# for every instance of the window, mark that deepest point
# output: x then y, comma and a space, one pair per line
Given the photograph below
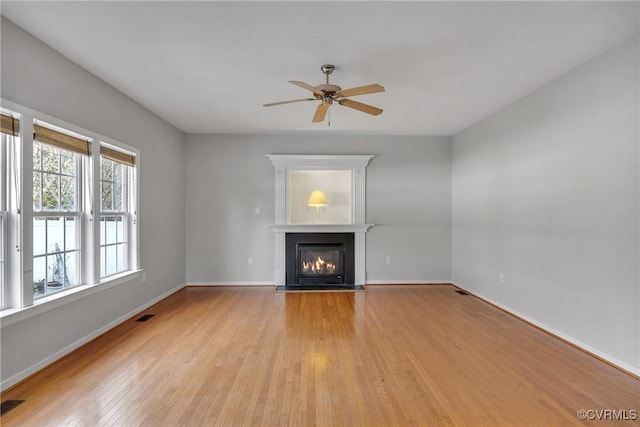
82, 229
57, 211
113, 236
116, 178
9, 130
3, 217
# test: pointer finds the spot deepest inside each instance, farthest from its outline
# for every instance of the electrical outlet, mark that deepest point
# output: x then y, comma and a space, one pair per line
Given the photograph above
250, 261
257, 211
501, 277
144, 277
388, 260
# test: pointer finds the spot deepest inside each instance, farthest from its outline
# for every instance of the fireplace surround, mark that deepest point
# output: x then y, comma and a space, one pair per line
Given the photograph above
357, 228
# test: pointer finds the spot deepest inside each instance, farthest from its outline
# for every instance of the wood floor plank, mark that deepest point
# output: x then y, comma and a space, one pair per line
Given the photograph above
390, 356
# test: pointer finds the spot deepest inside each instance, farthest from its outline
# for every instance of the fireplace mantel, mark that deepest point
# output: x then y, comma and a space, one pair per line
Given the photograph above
320, 228
358, 165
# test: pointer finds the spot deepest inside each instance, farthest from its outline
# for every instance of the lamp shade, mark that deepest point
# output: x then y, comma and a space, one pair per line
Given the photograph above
317, 198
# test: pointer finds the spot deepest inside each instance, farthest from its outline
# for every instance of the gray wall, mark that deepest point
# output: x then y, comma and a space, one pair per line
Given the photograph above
546, 192
408, 198
37, 77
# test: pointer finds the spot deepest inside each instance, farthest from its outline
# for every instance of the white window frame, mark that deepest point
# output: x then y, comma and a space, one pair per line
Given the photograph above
4, 294
4, 218
19, 263
77, 213
128, 215
10, 168
132, 203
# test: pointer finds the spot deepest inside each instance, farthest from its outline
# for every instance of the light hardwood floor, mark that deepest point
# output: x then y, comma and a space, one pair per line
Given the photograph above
393, 355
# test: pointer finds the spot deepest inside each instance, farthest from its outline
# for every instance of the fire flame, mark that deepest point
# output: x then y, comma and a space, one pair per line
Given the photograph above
319, 266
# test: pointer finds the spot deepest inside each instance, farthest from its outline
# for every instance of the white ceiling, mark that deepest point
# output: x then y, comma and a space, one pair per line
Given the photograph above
207, 67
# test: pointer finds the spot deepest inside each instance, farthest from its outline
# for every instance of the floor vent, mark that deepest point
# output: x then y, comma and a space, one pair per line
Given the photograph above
462, 292
145, 318
8, 405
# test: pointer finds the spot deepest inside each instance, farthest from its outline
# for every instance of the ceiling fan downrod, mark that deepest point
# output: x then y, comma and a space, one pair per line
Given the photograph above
327, 69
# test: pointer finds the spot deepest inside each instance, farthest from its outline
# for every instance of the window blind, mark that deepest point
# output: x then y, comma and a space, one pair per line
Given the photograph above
118, 156
60, 140
9, 125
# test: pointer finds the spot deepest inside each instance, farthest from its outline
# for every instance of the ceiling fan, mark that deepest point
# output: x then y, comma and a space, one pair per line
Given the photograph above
329, 93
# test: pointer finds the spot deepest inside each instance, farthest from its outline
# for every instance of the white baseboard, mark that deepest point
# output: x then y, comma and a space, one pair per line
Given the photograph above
408, 282
71, 347
369, 282
584, 346
237, 283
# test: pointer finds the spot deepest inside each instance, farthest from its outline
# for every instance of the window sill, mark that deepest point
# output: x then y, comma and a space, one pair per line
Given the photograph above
11, 316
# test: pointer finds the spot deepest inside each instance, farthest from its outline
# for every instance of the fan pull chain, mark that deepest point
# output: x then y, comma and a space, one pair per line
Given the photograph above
329, 118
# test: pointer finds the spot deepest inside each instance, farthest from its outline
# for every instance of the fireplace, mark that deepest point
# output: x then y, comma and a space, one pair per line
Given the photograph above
355, 274
319, 259
319, 264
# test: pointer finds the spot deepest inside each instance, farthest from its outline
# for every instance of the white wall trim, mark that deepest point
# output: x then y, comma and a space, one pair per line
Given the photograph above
583, 346
73, 346
235, 283
409, 282
369, 282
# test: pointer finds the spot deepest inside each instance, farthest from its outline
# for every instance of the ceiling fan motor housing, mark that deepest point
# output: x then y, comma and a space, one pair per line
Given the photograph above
329, 89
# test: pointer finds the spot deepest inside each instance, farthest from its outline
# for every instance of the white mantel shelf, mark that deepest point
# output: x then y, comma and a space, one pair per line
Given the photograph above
320, 228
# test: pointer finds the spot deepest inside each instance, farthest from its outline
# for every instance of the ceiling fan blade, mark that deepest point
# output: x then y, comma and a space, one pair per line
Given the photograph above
369, 109
361, 90
321, 112
316, 92
288, 102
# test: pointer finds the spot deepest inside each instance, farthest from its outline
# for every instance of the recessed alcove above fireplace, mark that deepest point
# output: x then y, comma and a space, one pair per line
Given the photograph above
343, 177
334, 184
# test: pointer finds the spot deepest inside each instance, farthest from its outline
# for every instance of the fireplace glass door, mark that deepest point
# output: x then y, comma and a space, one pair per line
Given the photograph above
320, 264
